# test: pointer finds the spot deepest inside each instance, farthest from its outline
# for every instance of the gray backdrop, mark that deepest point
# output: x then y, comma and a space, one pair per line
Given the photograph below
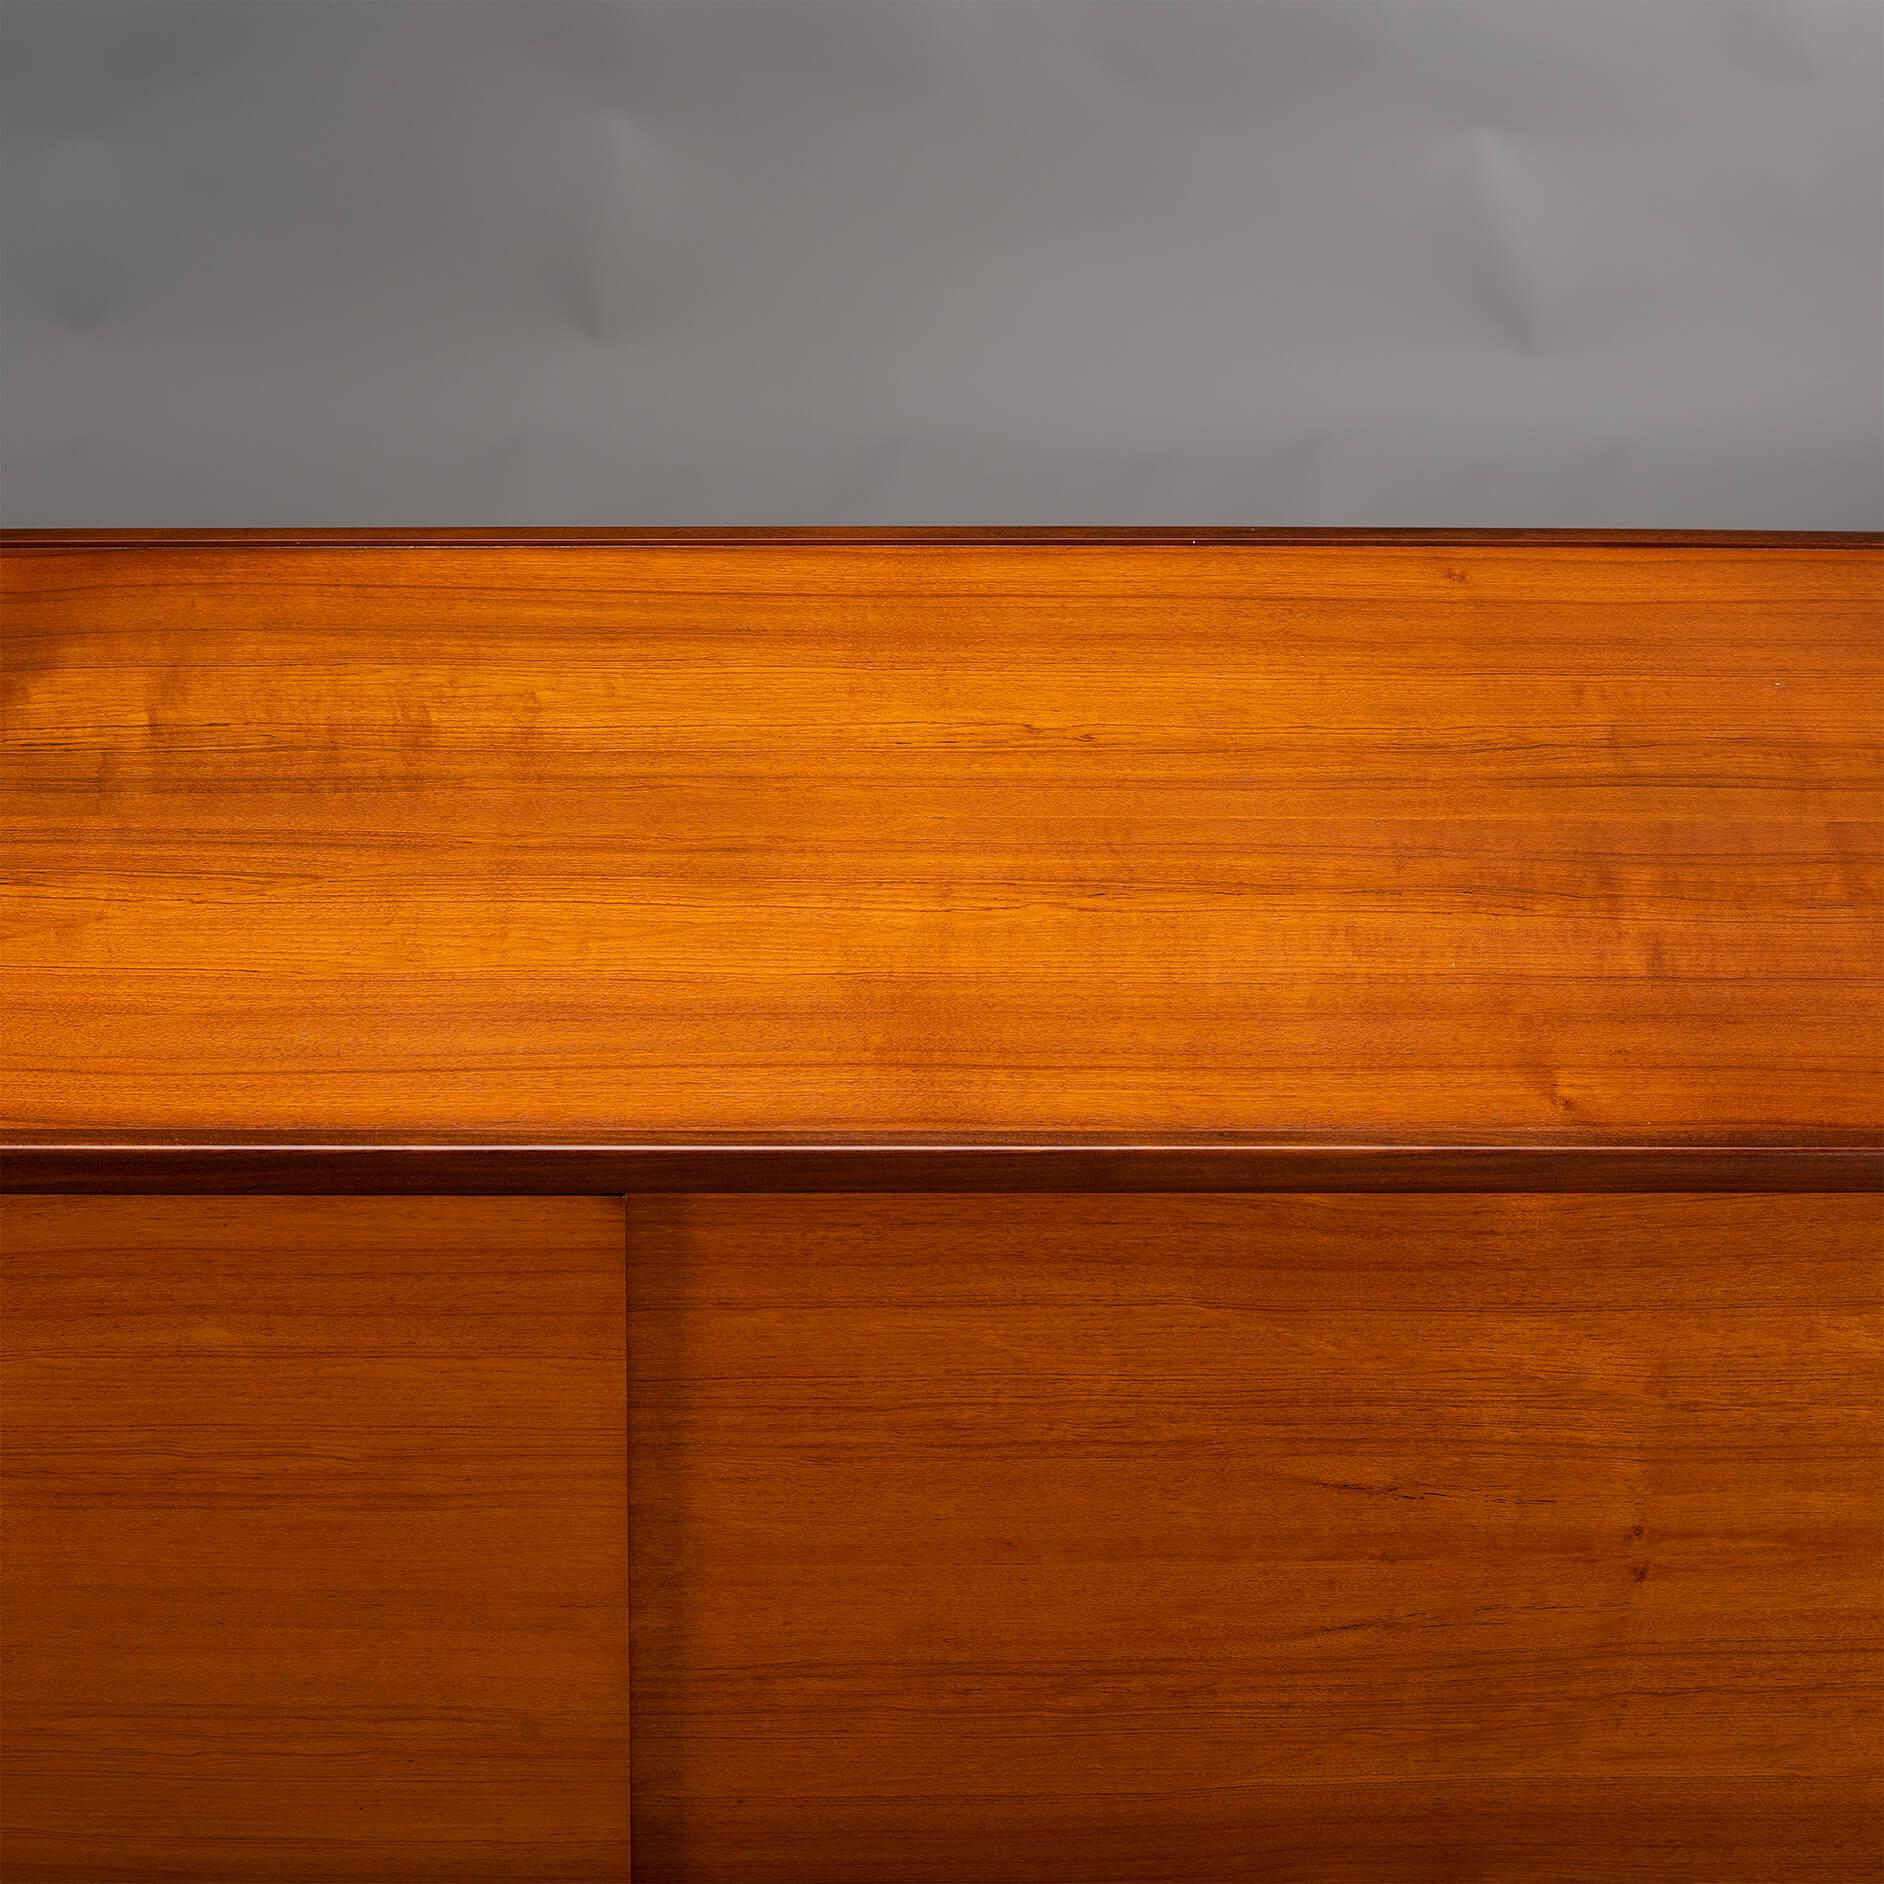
1478, 262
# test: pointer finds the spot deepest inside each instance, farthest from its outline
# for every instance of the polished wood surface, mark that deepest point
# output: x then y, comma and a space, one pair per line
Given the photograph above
1467, 1468
1195, 1540
1372, 837
316, 1540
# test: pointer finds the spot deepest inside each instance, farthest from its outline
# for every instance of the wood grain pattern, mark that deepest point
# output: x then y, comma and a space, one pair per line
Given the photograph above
1392, 836
1195, 1540
315, 1540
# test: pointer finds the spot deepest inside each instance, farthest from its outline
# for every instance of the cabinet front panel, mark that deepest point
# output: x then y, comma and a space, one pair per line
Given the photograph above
316, 1539
1206, 1539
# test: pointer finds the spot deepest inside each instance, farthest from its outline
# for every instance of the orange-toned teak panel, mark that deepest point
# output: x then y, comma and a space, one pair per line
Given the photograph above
316, 1540
909, 837
1257, 1539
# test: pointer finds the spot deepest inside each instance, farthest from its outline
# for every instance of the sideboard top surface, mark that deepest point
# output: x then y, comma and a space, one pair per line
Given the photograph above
943, 833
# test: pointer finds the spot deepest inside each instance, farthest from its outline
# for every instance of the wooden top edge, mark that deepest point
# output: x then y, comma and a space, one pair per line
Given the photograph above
715, 1140
124, 1162
951, 536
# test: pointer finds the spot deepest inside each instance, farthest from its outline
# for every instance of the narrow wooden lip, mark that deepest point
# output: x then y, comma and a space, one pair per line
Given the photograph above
965, 536
382, 1164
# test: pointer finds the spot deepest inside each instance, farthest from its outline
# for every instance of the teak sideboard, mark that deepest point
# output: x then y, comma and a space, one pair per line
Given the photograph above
943, 1208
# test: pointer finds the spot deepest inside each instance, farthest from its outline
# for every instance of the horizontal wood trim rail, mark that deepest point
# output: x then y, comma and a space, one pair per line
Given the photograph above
966, 535
1816, 1162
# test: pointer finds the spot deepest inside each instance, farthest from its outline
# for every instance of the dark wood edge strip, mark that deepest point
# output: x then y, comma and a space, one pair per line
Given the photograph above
614, 1169
963, 536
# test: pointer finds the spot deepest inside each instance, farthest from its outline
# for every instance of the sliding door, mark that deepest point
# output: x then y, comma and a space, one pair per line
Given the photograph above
316, 1552
1255, 1539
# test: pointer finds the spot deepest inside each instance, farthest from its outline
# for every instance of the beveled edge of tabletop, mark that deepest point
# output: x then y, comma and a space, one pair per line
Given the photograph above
959, 535
386, 1163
